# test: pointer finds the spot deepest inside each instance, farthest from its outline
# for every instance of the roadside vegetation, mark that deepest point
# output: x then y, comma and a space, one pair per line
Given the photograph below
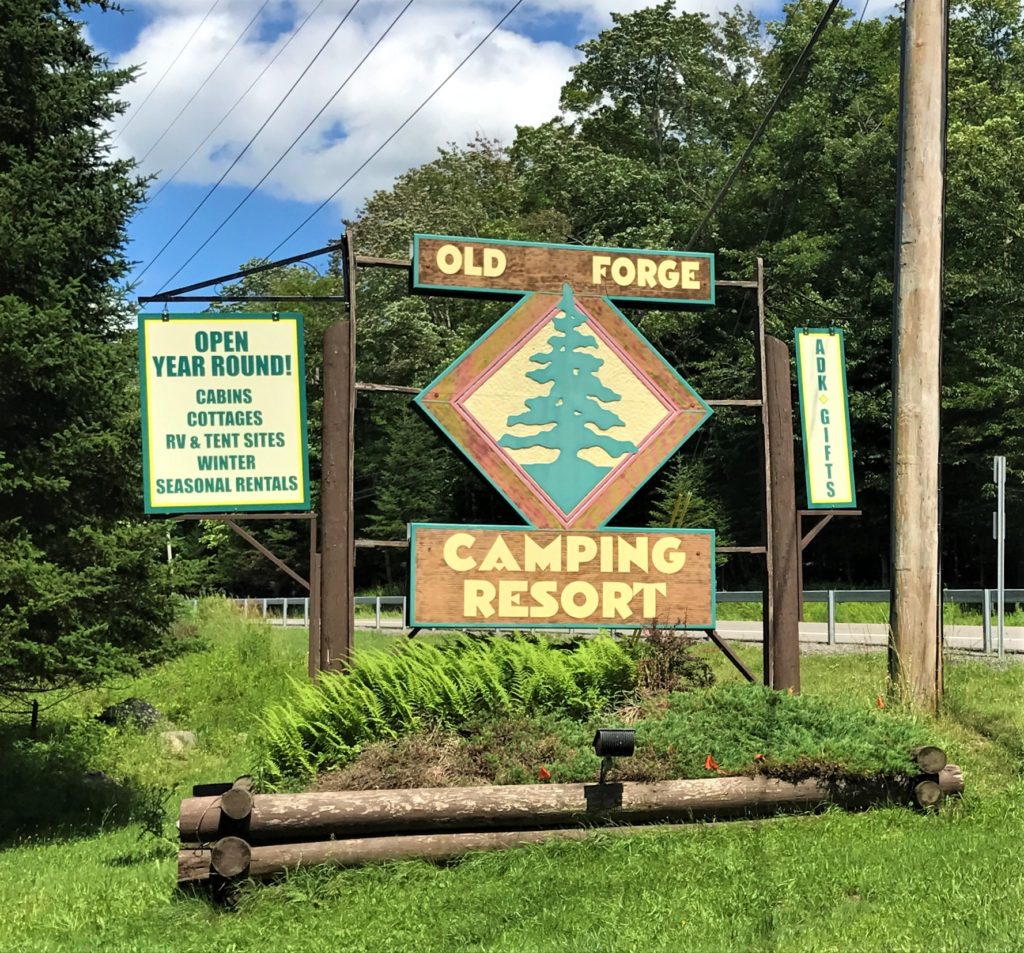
88, 860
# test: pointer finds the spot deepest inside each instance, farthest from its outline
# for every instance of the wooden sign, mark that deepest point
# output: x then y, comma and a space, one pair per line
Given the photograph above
565, 407
223, 413
520, 577
510, 268
825, 418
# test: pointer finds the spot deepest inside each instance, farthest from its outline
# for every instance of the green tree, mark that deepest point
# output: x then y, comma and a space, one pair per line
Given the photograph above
83, 592
628, 163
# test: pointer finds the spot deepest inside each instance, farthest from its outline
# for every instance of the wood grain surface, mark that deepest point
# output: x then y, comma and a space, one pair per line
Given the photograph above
493, 580
493, 266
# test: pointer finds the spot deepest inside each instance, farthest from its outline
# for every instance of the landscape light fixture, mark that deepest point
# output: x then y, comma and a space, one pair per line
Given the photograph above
612, 743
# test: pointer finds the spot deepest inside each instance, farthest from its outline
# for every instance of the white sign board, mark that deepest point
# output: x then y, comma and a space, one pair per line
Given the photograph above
825, 418
223, 413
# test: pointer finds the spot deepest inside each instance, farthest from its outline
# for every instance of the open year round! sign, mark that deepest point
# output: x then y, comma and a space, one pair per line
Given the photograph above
223, 413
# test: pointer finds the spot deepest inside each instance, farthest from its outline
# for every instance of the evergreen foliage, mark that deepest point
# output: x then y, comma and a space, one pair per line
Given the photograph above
83, 594
653, 118
385, 695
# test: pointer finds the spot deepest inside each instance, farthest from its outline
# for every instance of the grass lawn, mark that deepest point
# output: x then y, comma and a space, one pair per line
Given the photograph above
75, 876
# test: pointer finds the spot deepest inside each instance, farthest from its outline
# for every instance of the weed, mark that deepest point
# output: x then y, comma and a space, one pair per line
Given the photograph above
666, 661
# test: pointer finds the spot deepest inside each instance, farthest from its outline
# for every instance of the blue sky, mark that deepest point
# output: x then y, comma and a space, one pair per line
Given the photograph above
513, 79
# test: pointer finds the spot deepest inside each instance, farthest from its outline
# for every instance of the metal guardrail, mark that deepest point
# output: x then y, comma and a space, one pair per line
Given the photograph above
983, 597
283, 610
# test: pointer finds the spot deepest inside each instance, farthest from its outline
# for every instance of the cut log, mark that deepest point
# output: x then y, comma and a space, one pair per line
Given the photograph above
266, 861
281, 818
951, 780
929, 759
927, 793
236, 803
230, 856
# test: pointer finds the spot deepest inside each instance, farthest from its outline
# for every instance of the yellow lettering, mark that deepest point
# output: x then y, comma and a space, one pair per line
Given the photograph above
509, 591
587, 607
650, 591
607, 554
632, 554
471, 269
452, 545
668, 276
543, 593
646, 273
449, 259
537, 557
623, 271
478, 597
499, 557
494, 262
688, 274
600, 265
615, 598
579, 549
665, 555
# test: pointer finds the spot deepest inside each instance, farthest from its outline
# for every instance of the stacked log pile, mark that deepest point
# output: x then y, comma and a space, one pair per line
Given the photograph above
227, 832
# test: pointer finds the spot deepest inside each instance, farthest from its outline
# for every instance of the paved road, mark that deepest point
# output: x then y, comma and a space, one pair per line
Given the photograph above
853, 634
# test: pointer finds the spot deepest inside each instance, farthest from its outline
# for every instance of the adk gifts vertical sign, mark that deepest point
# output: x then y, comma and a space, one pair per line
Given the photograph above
825, 418
223, 413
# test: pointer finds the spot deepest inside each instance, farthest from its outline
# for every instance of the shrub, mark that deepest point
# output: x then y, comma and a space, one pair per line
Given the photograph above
666, 661
387, 695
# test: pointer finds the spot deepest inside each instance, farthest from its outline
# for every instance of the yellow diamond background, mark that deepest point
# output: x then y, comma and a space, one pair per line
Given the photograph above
490, 404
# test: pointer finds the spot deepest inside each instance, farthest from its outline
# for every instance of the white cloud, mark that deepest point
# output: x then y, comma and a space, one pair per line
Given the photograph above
512, 80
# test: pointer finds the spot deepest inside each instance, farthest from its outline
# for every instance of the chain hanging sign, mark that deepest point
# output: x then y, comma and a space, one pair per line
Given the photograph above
825, 418
567, 409
223, 413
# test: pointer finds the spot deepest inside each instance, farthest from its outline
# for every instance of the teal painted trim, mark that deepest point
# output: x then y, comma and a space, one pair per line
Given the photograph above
413, 622
146, 503
418, 285
410, 589
852, 504
714, 579
707, 411
418, 401
306, 502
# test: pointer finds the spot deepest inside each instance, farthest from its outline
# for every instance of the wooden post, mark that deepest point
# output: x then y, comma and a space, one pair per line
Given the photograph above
313, 619
915, 649
783, 602
336, 559
768, 610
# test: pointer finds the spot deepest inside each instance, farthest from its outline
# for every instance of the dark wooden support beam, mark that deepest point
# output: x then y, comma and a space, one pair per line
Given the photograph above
730, 655
276, 560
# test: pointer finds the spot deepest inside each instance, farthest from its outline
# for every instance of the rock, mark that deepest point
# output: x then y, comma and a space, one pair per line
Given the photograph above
178, 742
135, 712
100, 780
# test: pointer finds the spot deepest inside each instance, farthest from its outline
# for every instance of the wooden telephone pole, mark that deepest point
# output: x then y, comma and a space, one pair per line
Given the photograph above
915, 644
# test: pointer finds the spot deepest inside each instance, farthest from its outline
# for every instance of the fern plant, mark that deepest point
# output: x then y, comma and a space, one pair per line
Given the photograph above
385, 695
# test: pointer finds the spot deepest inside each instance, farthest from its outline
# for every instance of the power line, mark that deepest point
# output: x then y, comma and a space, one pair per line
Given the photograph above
163, 76
373, 155
248, 145
238, 101
804, 53
202, 85
292, 145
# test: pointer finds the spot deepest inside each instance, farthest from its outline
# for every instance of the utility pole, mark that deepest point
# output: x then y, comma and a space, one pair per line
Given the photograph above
915, 643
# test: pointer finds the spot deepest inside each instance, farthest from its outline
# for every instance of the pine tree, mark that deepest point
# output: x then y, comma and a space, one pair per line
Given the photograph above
83, 594
571, 405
